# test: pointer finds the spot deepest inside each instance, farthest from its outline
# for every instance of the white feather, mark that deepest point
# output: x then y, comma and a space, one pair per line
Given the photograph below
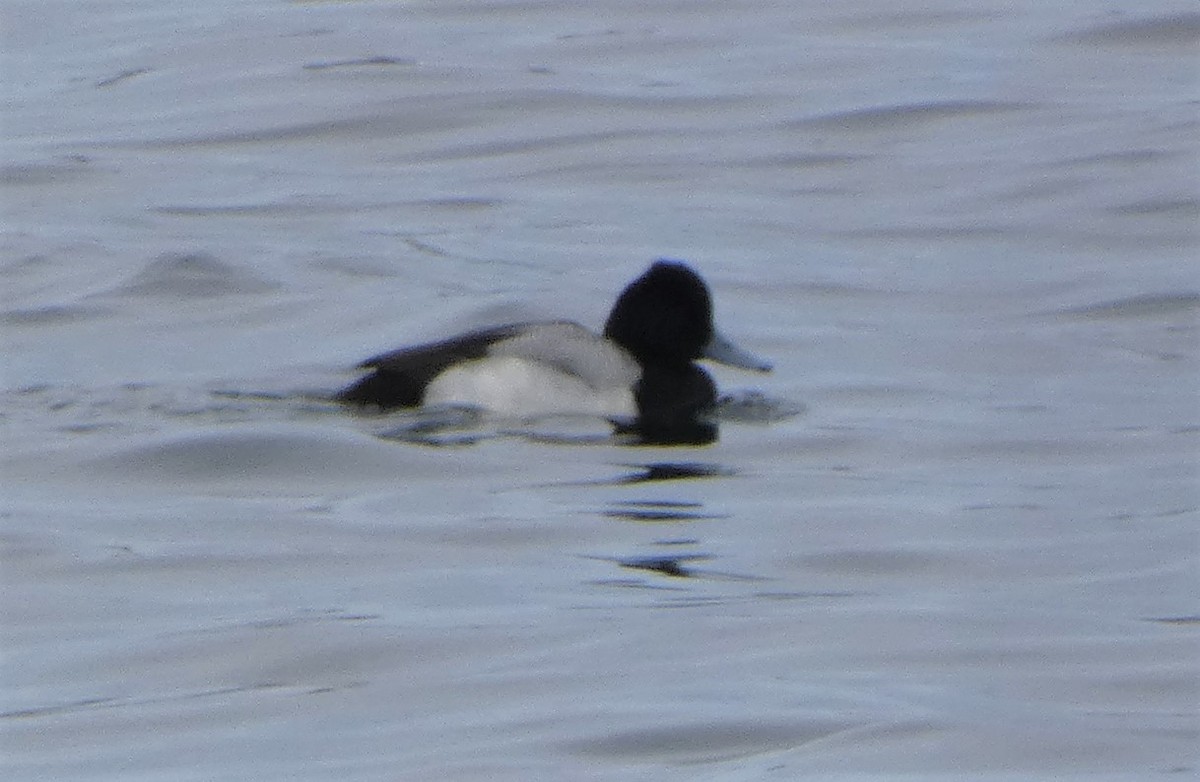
551, 369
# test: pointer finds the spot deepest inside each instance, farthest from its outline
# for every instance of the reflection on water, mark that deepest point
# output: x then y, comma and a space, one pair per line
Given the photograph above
680, 558
441, 426
658, 510
457, 425
685, 432
682, 565
673, 566
672, 471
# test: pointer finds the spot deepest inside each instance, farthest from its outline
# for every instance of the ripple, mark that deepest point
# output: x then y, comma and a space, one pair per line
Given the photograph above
907, 114
66, 169
1177, 29
192, 275
359, 63
51, 314
126, 75
1181, 207
755, 407
1140, 306
240, 455
711, 741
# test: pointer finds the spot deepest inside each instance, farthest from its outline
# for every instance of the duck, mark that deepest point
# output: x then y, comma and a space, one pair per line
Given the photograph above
640, 373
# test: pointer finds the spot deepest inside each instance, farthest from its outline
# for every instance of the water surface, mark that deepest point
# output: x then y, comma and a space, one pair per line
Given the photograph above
964, 234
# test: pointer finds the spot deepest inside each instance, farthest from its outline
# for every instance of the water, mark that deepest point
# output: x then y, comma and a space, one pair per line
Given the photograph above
964, 234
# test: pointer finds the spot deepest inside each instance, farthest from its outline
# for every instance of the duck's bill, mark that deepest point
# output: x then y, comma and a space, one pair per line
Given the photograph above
722, 351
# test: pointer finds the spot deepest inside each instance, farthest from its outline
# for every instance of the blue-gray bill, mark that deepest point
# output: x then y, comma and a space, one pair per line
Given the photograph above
723, 351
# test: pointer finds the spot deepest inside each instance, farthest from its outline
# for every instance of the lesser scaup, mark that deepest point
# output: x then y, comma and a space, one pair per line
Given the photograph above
640, 374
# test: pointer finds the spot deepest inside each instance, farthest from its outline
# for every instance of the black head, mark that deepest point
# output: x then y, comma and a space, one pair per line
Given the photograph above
663, 317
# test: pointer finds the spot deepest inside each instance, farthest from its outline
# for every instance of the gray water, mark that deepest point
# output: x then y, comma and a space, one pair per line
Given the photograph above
965, 234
